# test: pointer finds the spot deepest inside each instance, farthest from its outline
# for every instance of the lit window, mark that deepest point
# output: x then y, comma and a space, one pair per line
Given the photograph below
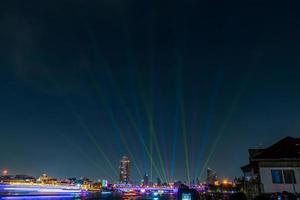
277, 176
289, 176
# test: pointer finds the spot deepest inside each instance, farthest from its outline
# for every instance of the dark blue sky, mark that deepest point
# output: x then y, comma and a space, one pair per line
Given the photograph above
192, 83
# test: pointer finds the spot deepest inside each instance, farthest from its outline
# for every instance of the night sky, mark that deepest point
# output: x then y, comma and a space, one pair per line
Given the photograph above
184, 85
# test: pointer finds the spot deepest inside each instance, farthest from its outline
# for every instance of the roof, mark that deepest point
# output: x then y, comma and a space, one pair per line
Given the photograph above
254, 152
247, 167
287, 148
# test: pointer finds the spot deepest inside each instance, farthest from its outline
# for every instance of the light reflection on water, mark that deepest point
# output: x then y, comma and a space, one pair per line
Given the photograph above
89, 197
38, 197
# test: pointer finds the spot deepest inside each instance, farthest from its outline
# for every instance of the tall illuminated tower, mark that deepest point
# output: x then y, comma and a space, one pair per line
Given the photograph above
124, 169
211, 176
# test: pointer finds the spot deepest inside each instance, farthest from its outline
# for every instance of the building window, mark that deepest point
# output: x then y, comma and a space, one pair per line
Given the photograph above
277, 176
289, 176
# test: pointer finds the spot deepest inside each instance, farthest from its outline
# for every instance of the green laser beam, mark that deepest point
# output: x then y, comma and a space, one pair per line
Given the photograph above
86, 155
156, 145
133, 123
114, 121
184, 133
183, 124
225, 123
92, 138
69, 105
153, 137
104, 102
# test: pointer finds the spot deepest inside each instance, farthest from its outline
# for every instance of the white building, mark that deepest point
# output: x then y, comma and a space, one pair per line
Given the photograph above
274, 169
281, 179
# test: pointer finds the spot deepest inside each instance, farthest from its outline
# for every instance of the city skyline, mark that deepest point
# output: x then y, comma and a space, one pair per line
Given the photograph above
178, 87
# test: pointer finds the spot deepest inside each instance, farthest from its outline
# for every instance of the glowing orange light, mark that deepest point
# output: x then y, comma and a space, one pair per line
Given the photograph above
217, 183
225, 181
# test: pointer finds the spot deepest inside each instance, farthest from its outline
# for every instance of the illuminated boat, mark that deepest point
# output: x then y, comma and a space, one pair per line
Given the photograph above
38, 189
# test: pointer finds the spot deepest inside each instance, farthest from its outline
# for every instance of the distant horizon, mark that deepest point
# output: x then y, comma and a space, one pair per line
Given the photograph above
260, 146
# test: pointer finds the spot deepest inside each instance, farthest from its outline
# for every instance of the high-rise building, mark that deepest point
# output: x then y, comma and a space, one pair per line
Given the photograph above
211, 176
158, 182
124, 169
146, 180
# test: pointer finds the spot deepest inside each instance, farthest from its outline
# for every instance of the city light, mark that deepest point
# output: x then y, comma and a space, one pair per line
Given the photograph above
143, 190
5, 172
225, 181
149, 100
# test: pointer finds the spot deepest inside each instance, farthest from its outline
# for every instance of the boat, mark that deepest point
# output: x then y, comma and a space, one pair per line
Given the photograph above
9, 189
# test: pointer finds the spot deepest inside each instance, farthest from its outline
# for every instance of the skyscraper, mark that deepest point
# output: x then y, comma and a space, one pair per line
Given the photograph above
124, 169
145, 180
158, 182
211, 176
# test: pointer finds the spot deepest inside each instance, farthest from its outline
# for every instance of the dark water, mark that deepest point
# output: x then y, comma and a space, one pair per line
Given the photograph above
88, 197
